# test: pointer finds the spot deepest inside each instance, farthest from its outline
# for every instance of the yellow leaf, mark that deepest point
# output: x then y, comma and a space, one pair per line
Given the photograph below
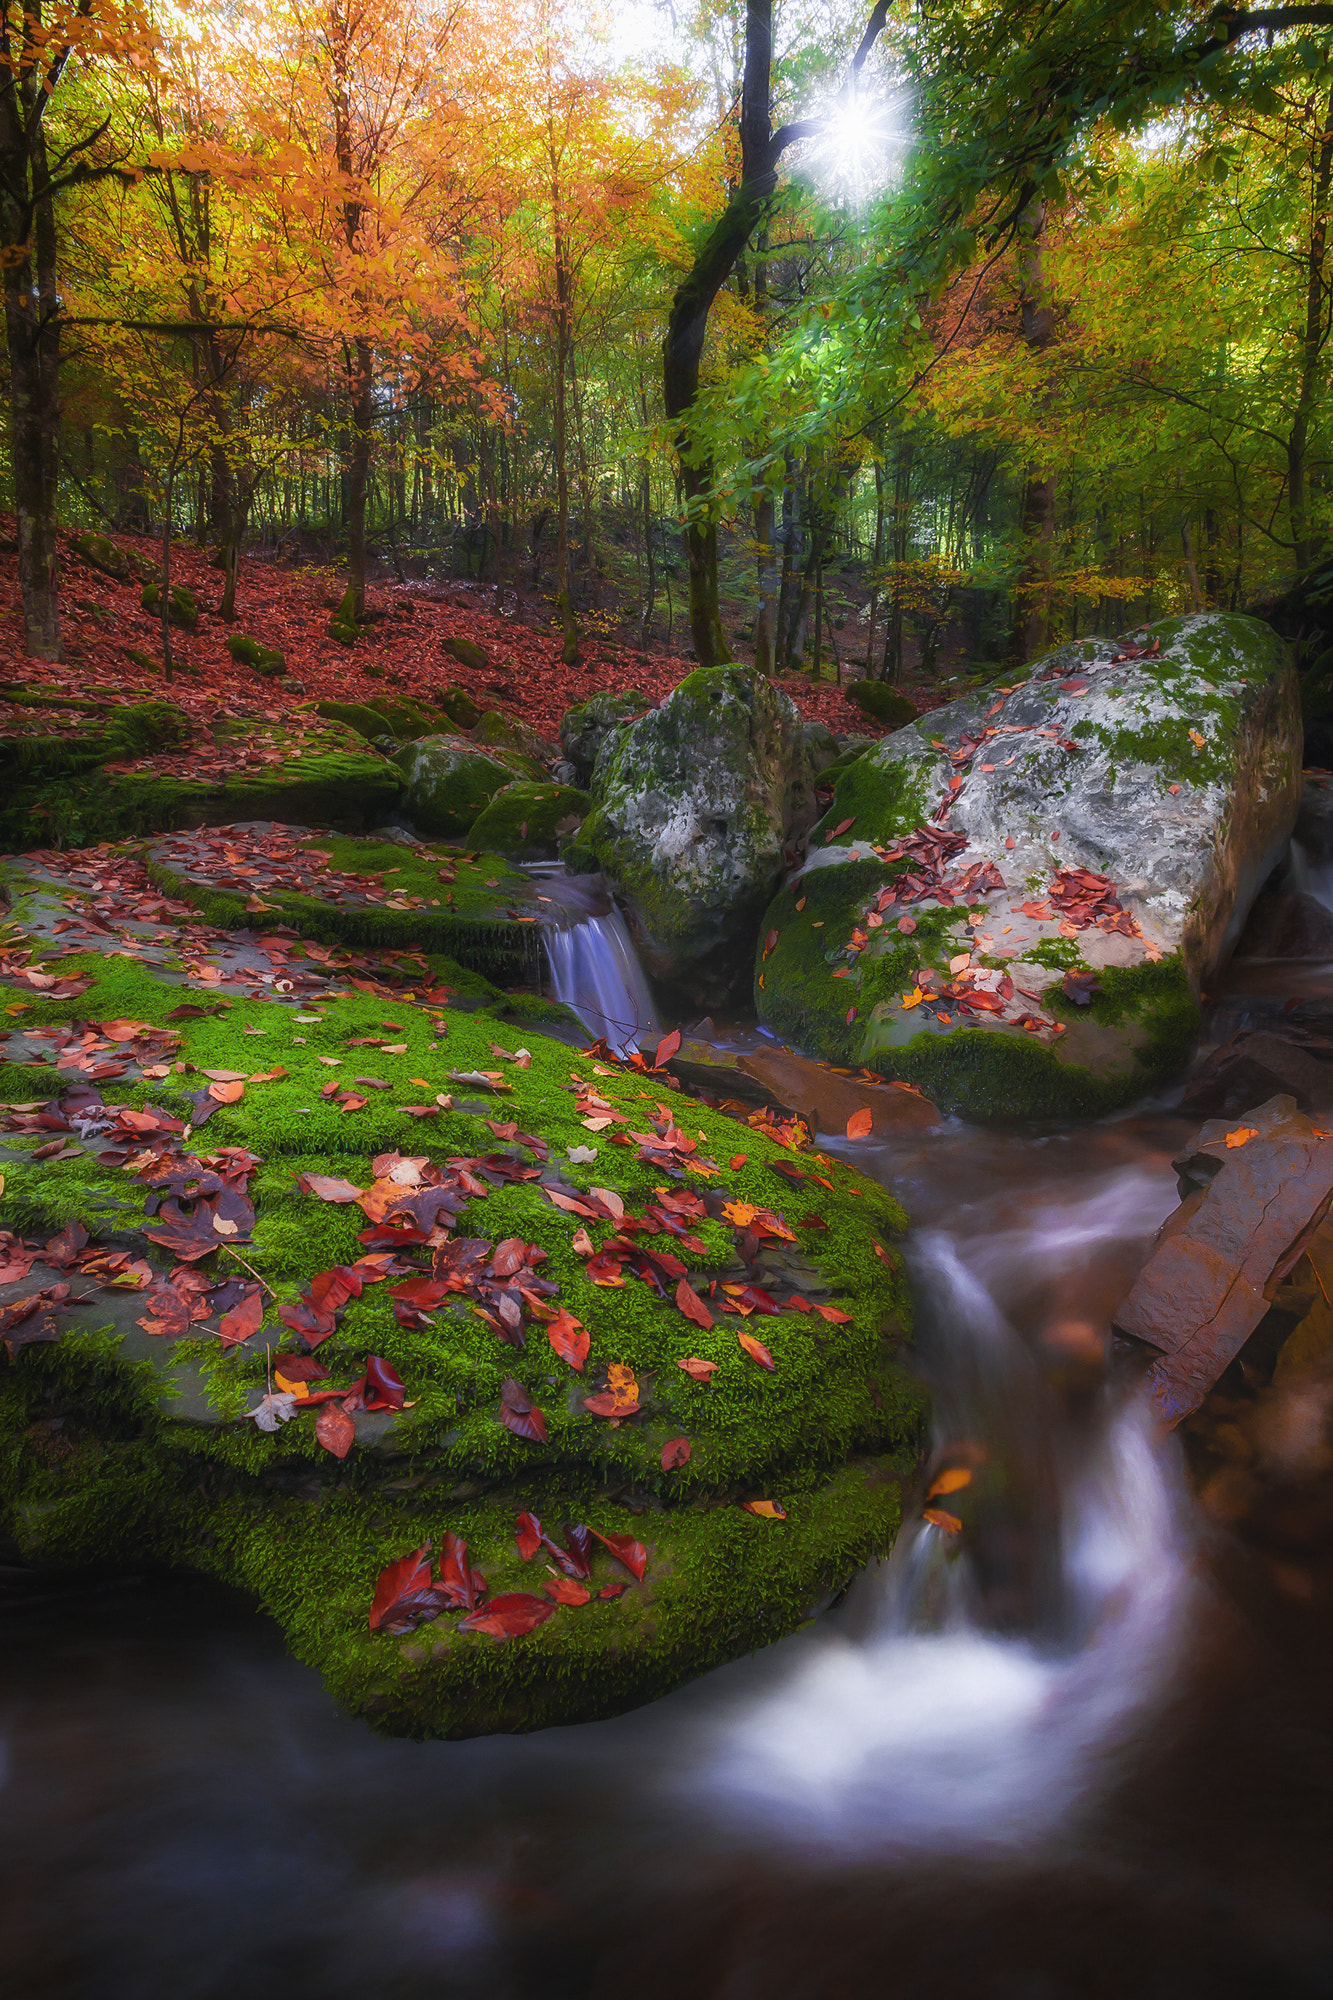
1196, 739
1241, 1136
913, 999
739, 1212
952, 1481
939, 1519
767, 1510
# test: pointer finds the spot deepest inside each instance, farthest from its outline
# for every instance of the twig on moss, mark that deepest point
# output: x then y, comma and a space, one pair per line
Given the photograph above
249, 1267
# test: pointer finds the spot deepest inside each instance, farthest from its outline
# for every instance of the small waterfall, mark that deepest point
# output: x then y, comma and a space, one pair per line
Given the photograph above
595, 969
975, 1691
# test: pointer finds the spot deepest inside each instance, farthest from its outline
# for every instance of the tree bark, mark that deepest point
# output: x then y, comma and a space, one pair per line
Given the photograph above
32, 328
1032, 594
687, 324
1306, 541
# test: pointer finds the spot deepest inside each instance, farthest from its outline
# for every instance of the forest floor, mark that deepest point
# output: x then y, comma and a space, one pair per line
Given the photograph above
288, 607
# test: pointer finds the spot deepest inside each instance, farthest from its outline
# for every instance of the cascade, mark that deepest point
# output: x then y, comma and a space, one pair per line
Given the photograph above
594, 967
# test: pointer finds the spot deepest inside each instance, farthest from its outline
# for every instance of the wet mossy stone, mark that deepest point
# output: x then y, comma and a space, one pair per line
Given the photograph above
160, 1466
467, 653
596, 723
1175, 774
690, 819
448, 780
497, 731
460, 708
339, 890
182, 607
894, 710
261, 659
92, 735
528, 822
102, 554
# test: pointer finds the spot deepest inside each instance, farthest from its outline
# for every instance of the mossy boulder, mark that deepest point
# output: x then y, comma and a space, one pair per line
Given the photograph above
252, 653
447, 781
102, 554
460, 708
821, 748
130, 1447
467, 653
497, 731
182, 606
596, 723
89, 735
1016, 901
403, 720
528, 822
885, 704
690, 819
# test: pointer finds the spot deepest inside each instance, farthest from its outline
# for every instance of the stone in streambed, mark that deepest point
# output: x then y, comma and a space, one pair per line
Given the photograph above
527, 822
692, 818
810, 1090
587, 729
448, 780
1170, 778
1252, 1067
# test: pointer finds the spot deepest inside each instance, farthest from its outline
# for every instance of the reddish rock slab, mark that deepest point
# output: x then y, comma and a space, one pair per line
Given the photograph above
1248, 1213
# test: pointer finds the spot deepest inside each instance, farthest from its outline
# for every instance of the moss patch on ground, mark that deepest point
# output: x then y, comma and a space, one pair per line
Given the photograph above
151, 1458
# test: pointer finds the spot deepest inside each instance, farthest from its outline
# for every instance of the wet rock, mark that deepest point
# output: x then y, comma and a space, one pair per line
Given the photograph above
1288, 924
809, 1090
1249, 1212
448, 781
526, 822
595, 724
1252, 1067
690, 820
821, 747
1015, 901
497, 731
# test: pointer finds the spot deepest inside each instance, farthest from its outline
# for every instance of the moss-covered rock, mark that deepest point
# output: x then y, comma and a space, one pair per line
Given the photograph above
345, 626
467, 653
261, 659
528, 822
597, 724
447, 782
1105, 828
497, 731
404, 720
885, 704
157, 1462
101, 553
182, 607
690, 818
460, 708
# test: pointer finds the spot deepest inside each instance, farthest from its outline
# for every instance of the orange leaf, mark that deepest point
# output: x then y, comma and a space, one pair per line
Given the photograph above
227, 1093
952, 1481
675, 1453
566, 1590
569, 1338
693, 1307
767, 1510
757, 1351
737, 1160
697, 1369
939, 1519
860, 1122
1241, 1136
335, 1430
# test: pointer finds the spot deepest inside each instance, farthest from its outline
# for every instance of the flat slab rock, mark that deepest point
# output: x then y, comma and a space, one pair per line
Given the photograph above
1255, 1192
820, 1096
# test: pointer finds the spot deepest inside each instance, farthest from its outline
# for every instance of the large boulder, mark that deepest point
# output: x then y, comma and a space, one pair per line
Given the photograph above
527, 822
601, 720
1016, 901
447, 782
690, 820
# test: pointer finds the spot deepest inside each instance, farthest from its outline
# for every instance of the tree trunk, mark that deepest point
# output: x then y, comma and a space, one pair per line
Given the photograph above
31, 306
358, 473
1032, 594
569, 651
1306, 541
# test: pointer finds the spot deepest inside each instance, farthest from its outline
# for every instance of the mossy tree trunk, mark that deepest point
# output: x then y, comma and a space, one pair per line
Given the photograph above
32, 330
1306, 542
1032, 595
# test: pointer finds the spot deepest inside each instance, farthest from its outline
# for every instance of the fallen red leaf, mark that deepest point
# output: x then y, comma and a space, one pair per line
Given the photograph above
757, 1351
519, 1415
528, 1533
329, 1187
626, 1550
509, 1617
860, 1122
569, 1338
675, 1453
403, 1593
693, 1307
565, 1590
244, 1320
698, 1369
335, 1430
667, 1047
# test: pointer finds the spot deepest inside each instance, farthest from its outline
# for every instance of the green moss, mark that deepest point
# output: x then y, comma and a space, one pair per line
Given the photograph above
884, 798
344, 626
894, 710
460, 708
182, 609
264, 661
829, 1433
103, 555
468, 654
525, 822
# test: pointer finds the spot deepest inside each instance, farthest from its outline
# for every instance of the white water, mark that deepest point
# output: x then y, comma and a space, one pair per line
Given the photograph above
1314, 877
953, 1721
596, 971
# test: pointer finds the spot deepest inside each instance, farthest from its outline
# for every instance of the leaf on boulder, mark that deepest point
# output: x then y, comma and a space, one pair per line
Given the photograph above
860, 1122
675, 1452
693, 1307
698, 1369
335, 1430
244, 1320
569, 1338
566, 1590
329, 1187
667, 1047
767, 1510
757, 1351
626, 1550
404, 1593
511, 1616
518, 1413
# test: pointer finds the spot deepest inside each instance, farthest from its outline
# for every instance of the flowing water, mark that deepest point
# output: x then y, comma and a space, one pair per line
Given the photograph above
594, 967
1084, 1752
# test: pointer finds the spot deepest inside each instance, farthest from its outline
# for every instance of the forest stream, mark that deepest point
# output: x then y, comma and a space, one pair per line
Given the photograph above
1088, 1753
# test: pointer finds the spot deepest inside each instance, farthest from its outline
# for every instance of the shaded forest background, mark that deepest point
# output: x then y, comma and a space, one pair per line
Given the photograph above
1023, 333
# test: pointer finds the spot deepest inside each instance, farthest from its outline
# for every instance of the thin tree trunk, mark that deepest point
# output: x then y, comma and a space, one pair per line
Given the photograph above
31, 306
1032, 595
563, 603
1305, 540
358, 474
